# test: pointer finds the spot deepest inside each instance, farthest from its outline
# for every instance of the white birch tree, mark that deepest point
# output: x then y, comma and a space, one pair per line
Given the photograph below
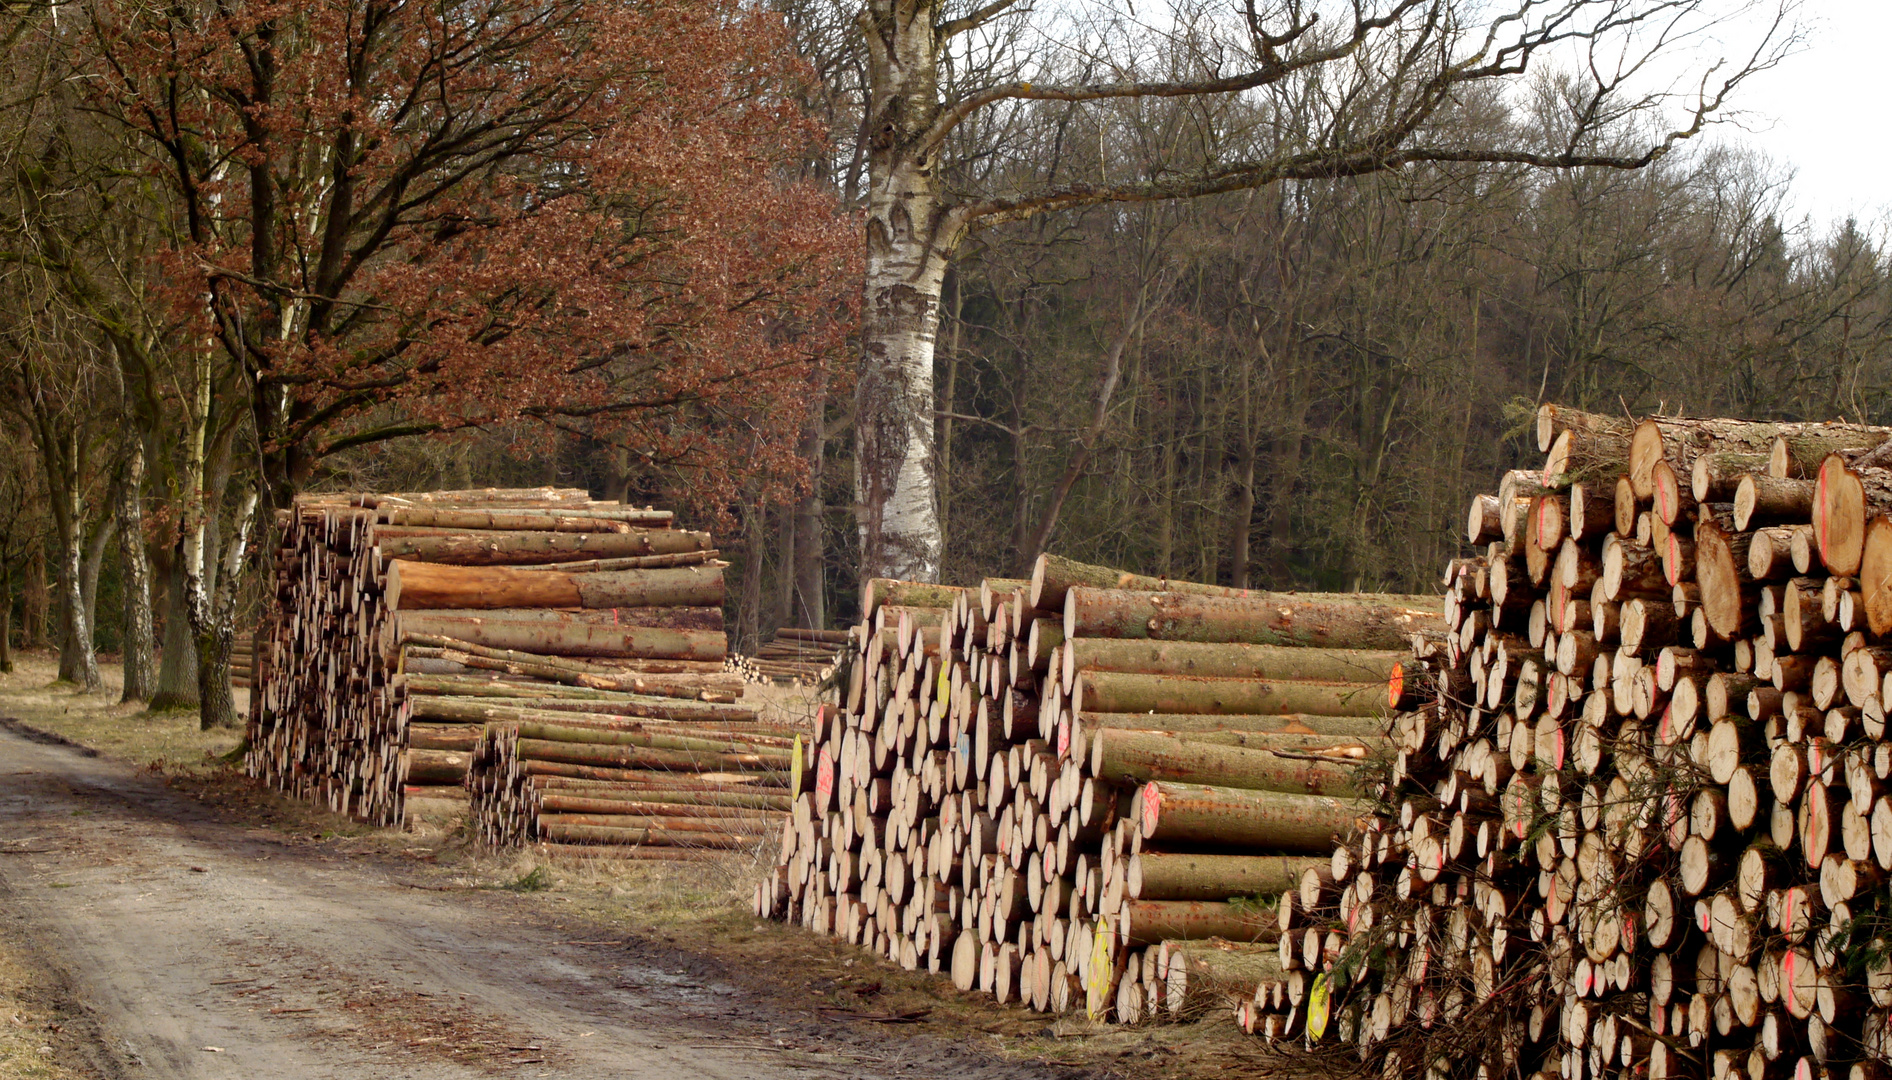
1347, 89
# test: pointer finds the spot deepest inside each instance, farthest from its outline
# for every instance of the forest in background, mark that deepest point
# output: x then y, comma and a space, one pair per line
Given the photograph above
1296, 386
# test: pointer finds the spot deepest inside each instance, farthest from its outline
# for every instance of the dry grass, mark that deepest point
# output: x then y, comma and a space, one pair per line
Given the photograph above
168, 740
34, 1044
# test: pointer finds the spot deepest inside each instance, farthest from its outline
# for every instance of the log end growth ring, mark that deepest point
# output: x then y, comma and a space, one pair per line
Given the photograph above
1875, 574
1719, 579
1645, 449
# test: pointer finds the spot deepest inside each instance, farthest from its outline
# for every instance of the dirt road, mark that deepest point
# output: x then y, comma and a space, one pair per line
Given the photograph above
195, 948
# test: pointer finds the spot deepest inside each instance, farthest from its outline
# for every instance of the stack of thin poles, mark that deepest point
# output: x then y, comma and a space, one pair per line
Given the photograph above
637, 780
1645, 829
400, 623
1082, 791
797, 657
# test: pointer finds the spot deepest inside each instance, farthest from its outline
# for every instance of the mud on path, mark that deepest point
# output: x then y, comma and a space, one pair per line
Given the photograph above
189, 946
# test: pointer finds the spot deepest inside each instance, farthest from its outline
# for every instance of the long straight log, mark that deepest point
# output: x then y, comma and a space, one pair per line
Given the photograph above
628, 562
1262, 619
514, 548
1232, 660
1151, 922
498, 710
772, 757
708, 619
1190, 876
585, 521
560, 803
758, 781
415, 586
436, 766
1178, 813
880, 591
1135, 756
634, 757
648, 795
599, 834
559, 669
745, 825
1128, 691
564, 639
621, 853
1338, 750
459, 498
1328, 727
464, 686
1053, 575
456, 737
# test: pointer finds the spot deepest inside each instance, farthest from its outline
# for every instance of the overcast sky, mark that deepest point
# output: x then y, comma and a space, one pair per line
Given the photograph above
1826, 112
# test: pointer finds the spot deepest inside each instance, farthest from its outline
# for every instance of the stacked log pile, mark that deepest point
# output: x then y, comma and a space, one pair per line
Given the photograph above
401, 621
1082, 791
796, 657
1645, 828
704, 778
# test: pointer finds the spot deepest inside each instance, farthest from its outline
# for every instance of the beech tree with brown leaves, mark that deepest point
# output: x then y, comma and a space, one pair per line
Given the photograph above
394, 219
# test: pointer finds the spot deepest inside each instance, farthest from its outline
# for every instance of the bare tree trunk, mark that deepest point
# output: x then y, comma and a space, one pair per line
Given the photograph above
909, 239
213, 622
785, 568
1107, 382
140, 673
78, 656
95, 549
1241, 510
33, 600
943, 429
6, 618
810, 580
177, 666
749, 619
617, 482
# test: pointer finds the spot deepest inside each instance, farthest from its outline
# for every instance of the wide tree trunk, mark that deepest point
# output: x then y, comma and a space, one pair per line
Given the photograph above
908, 241
177, 665
216, 703
213, 613
141, 677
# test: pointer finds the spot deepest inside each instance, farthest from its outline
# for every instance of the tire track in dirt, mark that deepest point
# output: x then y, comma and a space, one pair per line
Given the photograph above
203, 949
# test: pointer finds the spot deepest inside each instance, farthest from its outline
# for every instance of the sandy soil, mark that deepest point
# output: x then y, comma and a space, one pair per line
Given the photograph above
197, 948
154, 903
